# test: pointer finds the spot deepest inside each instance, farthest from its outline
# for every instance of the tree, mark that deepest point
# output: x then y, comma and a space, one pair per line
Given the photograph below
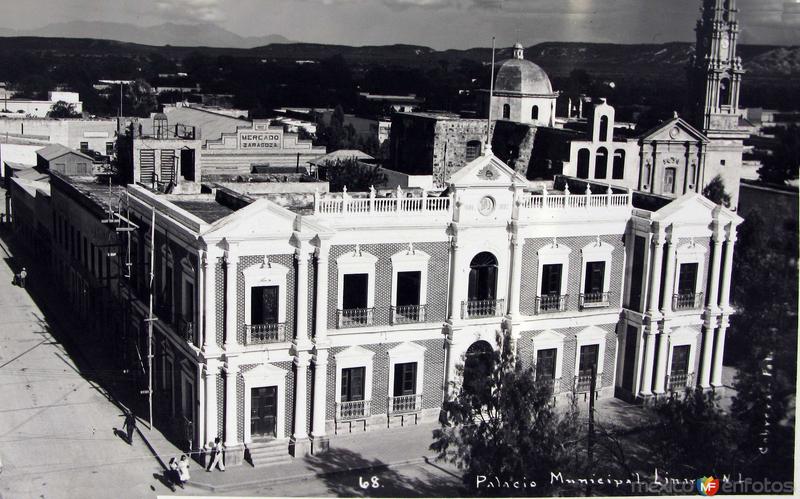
715, 191
783, 162
140, 99
353, 174
502, 423
62, 109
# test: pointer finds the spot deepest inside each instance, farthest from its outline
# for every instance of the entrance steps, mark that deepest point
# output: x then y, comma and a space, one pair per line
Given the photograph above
268, 453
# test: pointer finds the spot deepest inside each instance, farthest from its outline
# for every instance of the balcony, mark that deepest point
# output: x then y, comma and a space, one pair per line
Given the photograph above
597, 299
687, 301
355, 317
408, 314
678, 381
350, 411
551, 303
186, 329
259, 334
583, 383
475, 309
404, 404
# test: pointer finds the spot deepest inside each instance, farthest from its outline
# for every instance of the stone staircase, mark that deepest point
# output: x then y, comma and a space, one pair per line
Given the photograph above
268, 453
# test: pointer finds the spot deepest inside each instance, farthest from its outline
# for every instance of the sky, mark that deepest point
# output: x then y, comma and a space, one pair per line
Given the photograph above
440, 24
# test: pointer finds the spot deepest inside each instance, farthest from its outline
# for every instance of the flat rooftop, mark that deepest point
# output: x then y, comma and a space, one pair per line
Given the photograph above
208, 209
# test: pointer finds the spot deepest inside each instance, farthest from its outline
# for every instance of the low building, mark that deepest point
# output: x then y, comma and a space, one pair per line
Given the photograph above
39, 108
62, 159
85, 135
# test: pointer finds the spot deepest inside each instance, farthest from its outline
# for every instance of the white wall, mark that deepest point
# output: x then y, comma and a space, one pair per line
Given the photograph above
17, 153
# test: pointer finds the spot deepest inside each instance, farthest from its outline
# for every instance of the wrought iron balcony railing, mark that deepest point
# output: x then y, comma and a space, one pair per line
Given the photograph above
551, 303
186, 329
584, 382
355, 317
594, 299
354, 409
408, 314
474, 309
678, 381
687, 301
404, 404
256, 334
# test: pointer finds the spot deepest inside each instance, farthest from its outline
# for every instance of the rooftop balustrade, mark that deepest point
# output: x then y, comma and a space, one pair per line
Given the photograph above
567, 201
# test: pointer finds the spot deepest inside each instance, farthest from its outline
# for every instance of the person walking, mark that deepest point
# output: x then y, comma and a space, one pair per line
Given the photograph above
183, 470
22, 275
216, 456
172, 474
130, 426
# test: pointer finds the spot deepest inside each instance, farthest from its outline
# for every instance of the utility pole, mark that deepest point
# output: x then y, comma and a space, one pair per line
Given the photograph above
150, 319
590, 435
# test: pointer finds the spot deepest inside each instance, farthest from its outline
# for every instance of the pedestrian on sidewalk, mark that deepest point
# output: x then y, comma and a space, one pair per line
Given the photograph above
22, 275
130, 426
216, 456
183, 470
172, 474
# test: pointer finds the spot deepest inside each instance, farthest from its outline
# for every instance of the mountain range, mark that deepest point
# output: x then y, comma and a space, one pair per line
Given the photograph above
187, 35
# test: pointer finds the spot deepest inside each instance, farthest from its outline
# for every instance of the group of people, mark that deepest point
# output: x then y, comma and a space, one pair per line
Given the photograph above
19, 278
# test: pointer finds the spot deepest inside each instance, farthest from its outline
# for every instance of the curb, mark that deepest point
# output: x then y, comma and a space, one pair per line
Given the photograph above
303, 476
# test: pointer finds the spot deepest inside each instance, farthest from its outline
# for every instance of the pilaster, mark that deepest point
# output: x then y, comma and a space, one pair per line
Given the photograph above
319, 440
299, 444
231, 270
211, 371
647, 363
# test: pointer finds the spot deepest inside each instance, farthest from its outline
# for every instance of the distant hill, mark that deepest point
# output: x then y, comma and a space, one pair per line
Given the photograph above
667, 60
186, 35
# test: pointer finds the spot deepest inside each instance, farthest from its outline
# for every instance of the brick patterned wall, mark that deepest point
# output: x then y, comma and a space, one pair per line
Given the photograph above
309, 396
530, 270
312, 285
569, 350
431, 379
246, 262
219, 291
220, 405
438, 267
289, 408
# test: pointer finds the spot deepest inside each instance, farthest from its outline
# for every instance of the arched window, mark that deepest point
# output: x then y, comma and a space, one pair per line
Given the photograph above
506, 111
618, 172
604, 128
473, 149
478, 365
483, 277
583, 163
601, 163
535, 113
725, 92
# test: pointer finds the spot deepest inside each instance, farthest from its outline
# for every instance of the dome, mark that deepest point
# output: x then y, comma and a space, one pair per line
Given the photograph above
521, 76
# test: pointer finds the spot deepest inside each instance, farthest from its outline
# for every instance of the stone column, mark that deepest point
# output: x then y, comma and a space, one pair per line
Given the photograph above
708, 348
210, 303
301, 307
661, 362
719, 351
299, 445
199, 297
647, 362
655, 272
725, 290
321, 331
232, 264
516, 276
716, 259
455, 281
449, 369
669, 275
231, 418
319, 443
212, 369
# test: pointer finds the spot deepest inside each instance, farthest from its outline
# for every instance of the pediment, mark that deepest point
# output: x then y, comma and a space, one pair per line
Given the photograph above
486, 170
263, 372
354, 352
548, 336
407, 349
674, 130
262, 218
689, 208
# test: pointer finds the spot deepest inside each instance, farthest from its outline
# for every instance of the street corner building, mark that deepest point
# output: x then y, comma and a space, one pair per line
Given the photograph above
286, 320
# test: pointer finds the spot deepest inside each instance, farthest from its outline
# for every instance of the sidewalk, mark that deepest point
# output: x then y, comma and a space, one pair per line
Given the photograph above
363, 451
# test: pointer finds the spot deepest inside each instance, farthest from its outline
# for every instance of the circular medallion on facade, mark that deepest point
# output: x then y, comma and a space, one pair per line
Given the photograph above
724, 43
674, 132
486, 206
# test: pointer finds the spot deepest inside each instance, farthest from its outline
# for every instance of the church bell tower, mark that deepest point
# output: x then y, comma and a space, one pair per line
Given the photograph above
716, 71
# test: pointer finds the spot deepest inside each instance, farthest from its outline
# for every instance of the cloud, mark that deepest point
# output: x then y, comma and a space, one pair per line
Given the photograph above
192, 10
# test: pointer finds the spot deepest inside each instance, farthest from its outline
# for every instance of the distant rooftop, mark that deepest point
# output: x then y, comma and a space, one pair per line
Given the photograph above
206, 208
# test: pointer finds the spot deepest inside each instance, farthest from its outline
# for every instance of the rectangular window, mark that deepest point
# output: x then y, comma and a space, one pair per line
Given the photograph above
669, 180
109, 148
188, 311
679, 369
354, 291
405, 379
687, 278
551, 280
546, 365
84, 146
353, 384
408, 288
264, 305
588, 360
595, 273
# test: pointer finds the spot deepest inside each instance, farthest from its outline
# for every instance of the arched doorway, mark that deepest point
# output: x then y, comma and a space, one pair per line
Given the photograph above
482, 292
583, 163
604, 129
478, 366
601, 163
